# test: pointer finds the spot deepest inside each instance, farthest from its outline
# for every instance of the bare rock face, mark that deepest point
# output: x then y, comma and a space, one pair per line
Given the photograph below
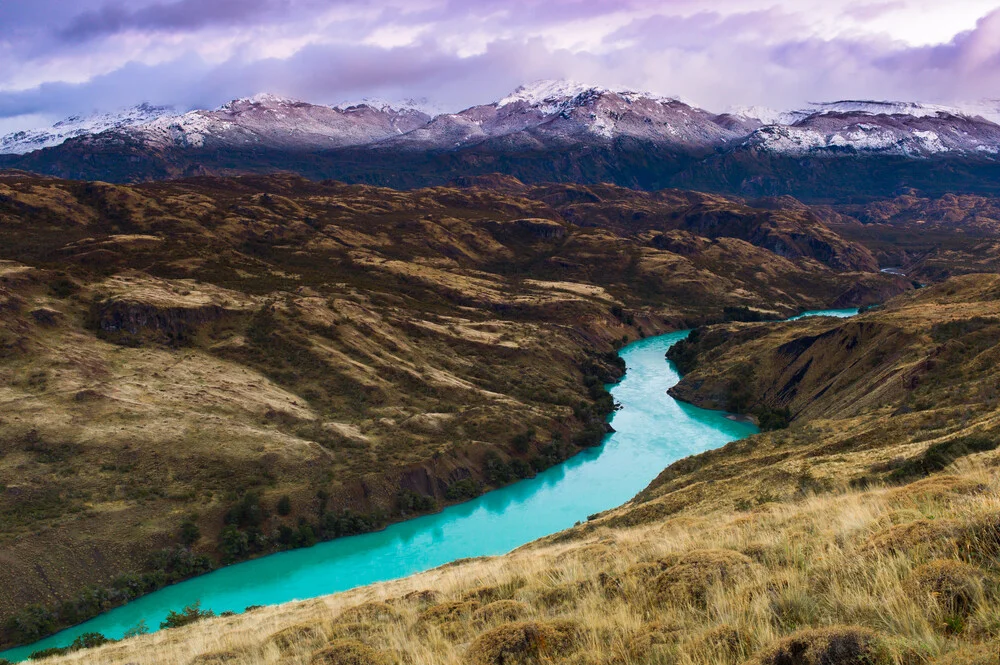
176, 323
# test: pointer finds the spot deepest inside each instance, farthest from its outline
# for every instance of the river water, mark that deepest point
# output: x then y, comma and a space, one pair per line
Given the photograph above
652, 431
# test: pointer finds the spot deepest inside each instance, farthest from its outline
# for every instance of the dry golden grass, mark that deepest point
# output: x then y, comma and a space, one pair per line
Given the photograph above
806, 582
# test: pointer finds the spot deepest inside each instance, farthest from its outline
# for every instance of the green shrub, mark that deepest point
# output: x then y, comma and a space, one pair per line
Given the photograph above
940, 455
138, 629
461, 490
591, 436
89, 641
63, 287
306, 536
744, 314
234, 544
496, 470
190, 533
772, 419
349, 523
42, 654
520, 469
684, 353
187, 616
247, 513
522, 442
408, 501
284, 505
30, 624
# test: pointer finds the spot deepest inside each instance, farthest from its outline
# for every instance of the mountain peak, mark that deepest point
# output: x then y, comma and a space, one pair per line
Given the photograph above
264, 99
387, 106
882, 107
29, 140
547, 91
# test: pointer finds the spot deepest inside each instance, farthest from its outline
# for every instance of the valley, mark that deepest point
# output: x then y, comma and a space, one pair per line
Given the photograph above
864, 531
499, 333
202, 371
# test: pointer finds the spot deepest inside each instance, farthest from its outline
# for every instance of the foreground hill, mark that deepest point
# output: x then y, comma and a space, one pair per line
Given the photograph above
866, 532
197, 372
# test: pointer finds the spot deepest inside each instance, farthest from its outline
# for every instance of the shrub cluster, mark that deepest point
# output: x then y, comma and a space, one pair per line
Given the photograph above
166, 567
940, 455
408, 501
684, 353
244, 533
771, 419
188, 615
461, 490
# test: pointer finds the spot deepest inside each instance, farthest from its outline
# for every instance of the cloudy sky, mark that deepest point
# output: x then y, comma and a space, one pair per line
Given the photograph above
59, 57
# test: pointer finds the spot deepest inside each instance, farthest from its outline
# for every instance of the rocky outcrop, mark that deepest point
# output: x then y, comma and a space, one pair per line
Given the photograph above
117, 317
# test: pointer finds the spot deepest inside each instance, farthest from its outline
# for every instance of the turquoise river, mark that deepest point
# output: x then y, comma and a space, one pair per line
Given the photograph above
652, 431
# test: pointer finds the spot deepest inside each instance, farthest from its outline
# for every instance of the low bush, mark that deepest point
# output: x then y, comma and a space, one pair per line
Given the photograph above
941, 455
348, 652
770, 419
462, 490
188, 615
838, 645
955, 587
408, 501
523, 643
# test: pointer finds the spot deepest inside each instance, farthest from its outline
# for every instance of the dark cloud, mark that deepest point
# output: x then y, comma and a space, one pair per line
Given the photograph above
183, 15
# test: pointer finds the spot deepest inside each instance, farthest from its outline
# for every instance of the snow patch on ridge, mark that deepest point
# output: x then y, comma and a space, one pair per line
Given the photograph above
424, 106
29, 140
553, 96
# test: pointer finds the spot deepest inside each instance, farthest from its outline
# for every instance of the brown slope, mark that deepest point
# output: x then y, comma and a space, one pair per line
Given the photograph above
890, 396
171, 349
769, 550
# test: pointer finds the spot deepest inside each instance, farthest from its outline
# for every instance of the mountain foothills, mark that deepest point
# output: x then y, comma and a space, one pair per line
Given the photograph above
199, 371
550, 130
862, 527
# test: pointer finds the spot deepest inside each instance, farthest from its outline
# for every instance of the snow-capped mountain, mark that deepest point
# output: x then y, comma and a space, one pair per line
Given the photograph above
562, 112
22, 142
540, 115
262, 120
543, 132
891, 128
276, 122
423, 105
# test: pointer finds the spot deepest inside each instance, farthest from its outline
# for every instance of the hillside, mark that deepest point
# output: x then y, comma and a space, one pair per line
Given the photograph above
865, 532
200, 371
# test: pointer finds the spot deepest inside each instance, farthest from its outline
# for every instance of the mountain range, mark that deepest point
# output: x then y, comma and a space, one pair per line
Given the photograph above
581, 132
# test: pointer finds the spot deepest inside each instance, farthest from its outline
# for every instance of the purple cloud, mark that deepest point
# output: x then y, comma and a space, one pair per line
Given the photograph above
166, 17
198, 53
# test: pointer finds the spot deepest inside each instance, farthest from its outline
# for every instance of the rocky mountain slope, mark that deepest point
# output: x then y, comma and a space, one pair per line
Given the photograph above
199, 371
25, 141
580, 133
868, 531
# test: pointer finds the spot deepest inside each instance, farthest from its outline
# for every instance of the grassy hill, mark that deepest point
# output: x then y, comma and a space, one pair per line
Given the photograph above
866, 531
201, 371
